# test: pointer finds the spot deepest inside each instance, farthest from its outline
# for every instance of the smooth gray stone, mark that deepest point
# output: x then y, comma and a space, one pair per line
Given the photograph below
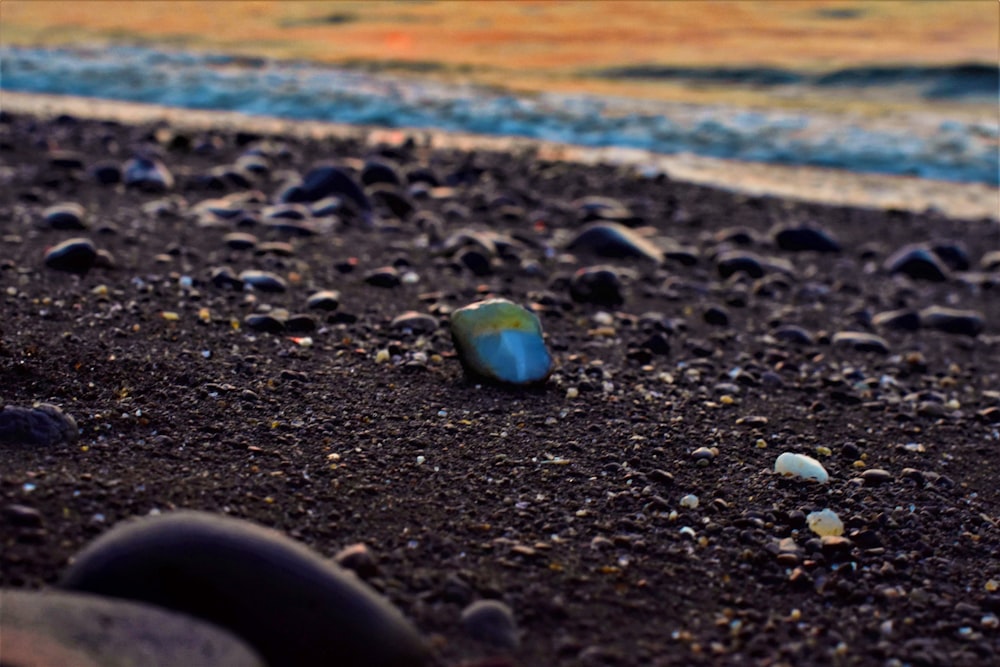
294, 607
44, 629
43, 424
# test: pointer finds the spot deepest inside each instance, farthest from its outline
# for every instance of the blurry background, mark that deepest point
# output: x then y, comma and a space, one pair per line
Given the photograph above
892, 87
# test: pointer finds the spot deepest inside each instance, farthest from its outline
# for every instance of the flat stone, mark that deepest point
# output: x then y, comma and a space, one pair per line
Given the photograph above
65, 216
600, 285
952, 320
898, 320
263, 281
49, 628
860, 341
414, 321
324, 300
147, 174
500, 341
292, 606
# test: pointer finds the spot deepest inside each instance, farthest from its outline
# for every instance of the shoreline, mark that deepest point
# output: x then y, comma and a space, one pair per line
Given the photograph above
805, 184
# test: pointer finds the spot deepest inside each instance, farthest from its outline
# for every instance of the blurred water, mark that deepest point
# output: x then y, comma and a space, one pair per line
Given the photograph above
921, 144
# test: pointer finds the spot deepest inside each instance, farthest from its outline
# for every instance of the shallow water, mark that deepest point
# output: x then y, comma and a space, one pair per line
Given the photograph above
921, 144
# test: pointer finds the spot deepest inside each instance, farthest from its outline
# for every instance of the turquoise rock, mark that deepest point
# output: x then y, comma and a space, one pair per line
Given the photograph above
500, 341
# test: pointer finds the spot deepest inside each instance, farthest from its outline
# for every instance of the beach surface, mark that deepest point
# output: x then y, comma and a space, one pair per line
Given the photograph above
627, 511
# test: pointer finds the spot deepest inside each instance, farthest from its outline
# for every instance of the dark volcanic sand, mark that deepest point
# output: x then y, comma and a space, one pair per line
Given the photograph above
562, 507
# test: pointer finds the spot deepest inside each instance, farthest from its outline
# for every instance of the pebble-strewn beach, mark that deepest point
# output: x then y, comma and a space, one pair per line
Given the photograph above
255, 325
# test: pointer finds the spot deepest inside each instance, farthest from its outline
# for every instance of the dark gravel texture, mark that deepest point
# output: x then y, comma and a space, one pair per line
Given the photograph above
331, 424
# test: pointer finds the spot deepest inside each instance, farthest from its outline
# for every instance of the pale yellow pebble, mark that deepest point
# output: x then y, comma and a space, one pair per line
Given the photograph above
170, 316
572, 392
824, 451
761, 443
859, 464
382, 356
726, 399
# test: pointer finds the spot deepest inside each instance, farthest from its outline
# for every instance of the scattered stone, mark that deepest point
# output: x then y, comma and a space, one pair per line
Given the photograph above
705, 454
876, 477
106, 173
953, 254
420, 323
359, 559
825, 522
805, 238
300, 323
65, 216
491, 622
917, 262
609, 239
77, 255
990, 261
44, 425
384, 276
288, 603
379, 171
599, 285
953, 321
500, 341
224, 277
897, 320
324, 300
860, 341
802, 466
263, 281
22, 516
240, 241
716, 316
74, 630
265, 322
147, 174
738, 261
325, 181
794, 334
690, 501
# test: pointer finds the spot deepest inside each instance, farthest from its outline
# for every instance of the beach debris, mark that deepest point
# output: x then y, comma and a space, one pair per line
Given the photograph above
43, 424
499, 340
800, 465
825, 522
491, 622
59, 628
300, 609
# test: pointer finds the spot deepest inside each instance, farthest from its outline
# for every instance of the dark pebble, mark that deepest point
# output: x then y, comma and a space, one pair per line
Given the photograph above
263, 281
806, 238
22, 516
44, 424
610, 239
990, 261
240, 241
264, 322
602, 208
324, 300
702, 454
225, 278
292, 606
106, 173
325, 181
77, 255
897, 320
420, 323
51, 628
876, 477
953, 254
388, 196
794, 334
951, 320
65, 216
300, 323
491, 622
285, 212
736, 261
359, 559
918, 262
476, 261
599, 285
862, 342
147, 174
989, 415
386, 276
716, 316
381, 171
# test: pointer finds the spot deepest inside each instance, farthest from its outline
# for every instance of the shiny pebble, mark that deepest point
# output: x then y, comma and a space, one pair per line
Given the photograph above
800, 465
500, 341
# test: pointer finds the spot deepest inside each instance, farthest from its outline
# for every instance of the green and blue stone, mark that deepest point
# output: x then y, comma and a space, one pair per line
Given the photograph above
500, 341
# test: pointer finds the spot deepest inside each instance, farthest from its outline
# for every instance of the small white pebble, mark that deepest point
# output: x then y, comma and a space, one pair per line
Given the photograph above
800, 465
990, 621
382, 356
572, 392
420, 460
825, 522
690, 501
